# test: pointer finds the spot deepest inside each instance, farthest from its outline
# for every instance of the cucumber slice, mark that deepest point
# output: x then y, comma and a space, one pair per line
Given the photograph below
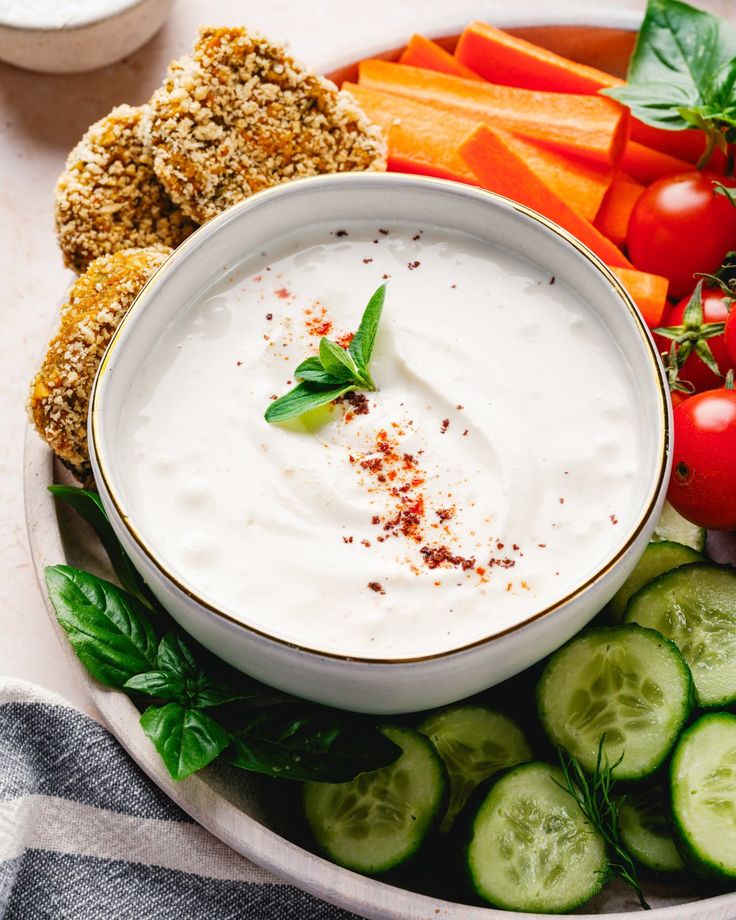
703, 788
646, 832
627, 683
656, 559
673, 526
531, 848
695, 607
474, 742
378, 820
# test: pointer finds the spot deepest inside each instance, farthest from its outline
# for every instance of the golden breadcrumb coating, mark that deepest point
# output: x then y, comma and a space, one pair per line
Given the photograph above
60, 391
108, 197
239, 115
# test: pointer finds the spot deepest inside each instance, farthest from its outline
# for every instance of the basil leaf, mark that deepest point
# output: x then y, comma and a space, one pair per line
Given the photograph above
173, 655
89, 506
337, 362
302, 398
361, 347
681, 73
304, 742
680, 44
163, 685
658, 104
109, 629
312, 370
186, 739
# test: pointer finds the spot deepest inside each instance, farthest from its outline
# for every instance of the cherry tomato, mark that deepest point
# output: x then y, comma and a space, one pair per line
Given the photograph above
703, 482
681, 226
729, 335
715, 310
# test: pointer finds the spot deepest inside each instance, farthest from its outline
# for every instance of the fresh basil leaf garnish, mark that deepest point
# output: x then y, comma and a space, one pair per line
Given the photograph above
187, 739
109, 629
335, 371
312, 370
682, 73
300, 741
303, 398
361, 347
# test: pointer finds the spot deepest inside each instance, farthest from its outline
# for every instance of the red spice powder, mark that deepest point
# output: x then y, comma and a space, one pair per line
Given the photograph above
283, 293
376, 586
317, 323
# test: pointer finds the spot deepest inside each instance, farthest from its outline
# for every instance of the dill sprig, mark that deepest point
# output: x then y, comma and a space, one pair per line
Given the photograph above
593, 795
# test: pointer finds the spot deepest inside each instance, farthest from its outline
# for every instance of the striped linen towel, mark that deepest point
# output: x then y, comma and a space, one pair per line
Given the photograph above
84, 835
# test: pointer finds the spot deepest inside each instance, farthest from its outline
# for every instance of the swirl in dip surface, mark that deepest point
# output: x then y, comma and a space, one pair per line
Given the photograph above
490, 475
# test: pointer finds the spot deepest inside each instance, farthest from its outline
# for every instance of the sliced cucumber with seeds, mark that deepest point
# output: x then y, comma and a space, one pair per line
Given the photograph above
646, 831
531, 848
474, 742
703, 788
673, 526
656, 559
378, 820
626, 683
695, 606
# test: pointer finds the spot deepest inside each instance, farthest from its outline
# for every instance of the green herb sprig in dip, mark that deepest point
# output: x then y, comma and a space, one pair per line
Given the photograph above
335, 371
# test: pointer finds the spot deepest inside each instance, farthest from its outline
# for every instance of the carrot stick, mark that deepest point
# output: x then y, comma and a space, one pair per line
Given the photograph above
421, 52
589, 126
428, 140
500, 170
647, 165
503, 58
649, 293
613, 217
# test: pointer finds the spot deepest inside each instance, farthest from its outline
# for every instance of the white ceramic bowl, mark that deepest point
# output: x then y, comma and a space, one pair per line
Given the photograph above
65, 37
372, 685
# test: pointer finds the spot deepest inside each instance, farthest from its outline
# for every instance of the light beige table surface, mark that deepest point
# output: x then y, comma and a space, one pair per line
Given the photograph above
41, 117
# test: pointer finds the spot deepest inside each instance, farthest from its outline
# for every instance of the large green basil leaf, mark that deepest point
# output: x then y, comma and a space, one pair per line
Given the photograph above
186, 739
108, 628
679, 74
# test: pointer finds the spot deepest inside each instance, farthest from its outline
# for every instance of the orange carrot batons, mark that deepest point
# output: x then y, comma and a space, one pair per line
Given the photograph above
613, 217
590, 126
503, 58
424, 140
500, 170
422, 52
649, 293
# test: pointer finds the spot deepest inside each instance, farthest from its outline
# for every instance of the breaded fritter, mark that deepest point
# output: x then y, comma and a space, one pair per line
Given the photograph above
60, 391
108, 197
239, 115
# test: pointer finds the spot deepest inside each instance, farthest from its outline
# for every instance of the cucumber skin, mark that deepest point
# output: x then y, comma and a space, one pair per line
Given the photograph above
703, 867
615, 612
691, 704
396, 868
466, 820
699, 705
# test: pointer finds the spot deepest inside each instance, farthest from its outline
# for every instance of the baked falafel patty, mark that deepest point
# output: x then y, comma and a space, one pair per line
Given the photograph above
108, 197
239, 115
60, 391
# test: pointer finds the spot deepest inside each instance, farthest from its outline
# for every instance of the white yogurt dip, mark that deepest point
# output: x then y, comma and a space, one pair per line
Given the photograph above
493, 473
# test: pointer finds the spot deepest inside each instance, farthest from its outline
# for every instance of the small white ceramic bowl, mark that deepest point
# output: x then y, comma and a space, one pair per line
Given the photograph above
73, 36
371, 685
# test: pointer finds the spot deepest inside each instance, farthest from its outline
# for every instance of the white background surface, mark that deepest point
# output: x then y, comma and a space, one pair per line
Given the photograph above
41, 118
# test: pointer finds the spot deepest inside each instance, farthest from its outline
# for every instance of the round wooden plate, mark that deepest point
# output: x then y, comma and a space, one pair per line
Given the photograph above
247, 812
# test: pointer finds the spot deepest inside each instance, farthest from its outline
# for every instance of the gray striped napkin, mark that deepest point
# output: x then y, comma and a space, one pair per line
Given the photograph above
84, 835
